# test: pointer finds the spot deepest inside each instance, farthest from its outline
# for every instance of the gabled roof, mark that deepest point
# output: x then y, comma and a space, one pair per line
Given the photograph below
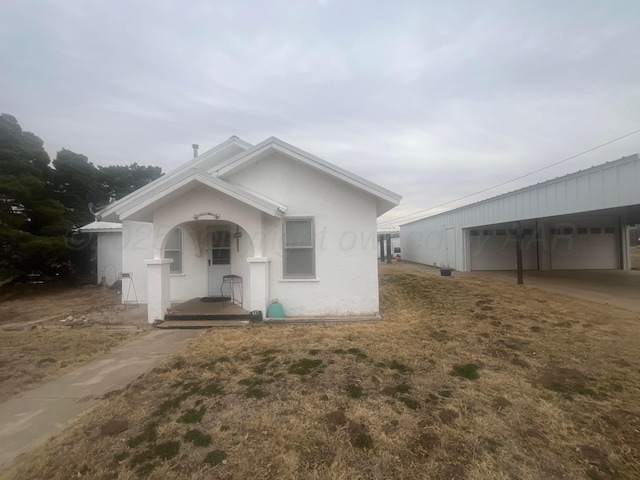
213, 167
185, 181
634, 158
386, 199
101, 227
203, 161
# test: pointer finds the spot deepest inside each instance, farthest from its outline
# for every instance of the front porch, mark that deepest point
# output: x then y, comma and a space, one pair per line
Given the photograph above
199, 309
199, 313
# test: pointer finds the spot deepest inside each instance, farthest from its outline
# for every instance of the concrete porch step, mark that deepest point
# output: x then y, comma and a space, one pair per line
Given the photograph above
192, 324
206, 316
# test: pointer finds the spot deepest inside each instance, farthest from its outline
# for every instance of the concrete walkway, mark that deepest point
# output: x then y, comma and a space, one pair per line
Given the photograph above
34, 416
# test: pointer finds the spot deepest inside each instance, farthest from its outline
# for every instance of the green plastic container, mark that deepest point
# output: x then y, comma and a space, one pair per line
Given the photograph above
275, 310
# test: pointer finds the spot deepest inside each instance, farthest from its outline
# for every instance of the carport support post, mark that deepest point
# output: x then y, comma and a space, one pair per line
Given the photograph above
519, 253
381, 240
388, 235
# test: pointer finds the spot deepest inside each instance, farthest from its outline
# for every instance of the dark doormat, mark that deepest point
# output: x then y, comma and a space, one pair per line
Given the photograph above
215, 299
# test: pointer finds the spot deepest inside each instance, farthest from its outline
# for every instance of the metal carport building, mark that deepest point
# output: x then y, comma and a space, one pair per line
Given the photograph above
578, 221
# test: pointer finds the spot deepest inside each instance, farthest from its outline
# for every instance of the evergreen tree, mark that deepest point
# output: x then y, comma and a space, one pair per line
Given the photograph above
116, 181
40, 205
28, 216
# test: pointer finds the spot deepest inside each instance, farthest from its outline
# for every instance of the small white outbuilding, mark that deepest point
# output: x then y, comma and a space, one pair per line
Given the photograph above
279, 220
578, 221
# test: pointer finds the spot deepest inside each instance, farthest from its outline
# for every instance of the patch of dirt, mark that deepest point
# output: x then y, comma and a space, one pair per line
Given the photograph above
453, 472
500, 403
114, 426
441, 335
621, 362
389, 390
496, 351
534, 433
336, 419
68, 307
448, 416
357, 431
593, 454
563, 380
428, 442
520, 362
485, 301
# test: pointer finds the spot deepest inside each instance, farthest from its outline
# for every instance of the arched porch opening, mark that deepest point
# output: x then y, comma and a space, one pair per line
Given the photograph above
203, 253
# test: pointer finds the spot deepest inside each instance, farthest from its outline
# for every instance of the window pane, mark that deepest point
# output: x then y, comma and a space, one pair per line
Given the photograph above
221, 239
221, 256
173, 240
298, 262
298, 233
176, 266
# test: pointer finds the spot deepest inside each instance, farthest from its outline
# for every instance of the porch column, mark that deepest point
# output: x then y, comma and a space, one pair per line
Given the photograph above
158, 288
259, 284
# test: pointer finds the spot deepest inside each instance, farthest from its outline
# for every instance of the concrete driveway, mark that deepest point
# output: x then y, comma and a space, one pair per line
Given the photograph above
619, 288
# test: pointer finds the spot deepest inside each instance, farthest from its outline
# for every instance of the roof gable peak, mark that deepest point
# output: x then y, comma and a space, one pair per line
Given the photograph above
274, 144
203, 161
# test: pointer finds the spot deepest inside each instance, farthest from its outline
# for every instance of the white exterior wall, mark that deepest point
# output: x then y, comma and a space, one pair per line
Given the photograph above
137, 246
109, 261
345, 238
429, 243
192, 282
608, 186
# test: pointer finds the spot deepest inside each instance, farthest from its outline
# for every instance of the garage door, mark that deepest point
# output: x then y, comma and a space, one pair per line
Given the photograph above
495, 249
585, 246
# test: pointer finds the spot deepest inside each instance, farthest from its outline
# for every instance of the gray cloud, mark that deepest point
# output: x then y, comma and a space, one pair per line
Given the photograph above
434, 100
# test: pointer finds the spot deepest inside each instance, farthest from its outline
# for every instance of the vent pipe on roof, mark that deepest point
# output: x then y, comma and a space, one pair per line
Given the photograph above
195, 147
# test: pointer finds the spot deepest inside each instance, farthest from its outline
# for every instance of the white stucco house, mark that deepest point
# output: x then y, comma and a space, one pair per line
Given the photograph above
286, 223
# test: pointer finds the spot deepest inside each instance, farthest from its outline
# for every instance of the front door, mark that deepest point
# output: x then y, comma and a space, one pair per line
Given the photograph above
219, 257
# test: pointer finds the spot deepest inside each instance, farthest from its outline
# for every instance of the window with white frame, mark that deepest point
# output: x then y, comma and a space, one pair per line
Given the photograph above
299, 248
173, 249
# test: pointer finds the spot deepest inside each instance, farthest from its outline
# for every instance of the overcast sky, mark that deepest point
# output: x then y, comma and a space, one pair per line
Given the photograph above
431, 99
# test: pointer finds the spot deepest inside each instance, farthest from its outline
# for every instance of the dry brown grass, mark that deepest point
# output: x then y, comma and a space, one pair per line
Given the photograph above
36, 346
49, 303
31, 357
556, 396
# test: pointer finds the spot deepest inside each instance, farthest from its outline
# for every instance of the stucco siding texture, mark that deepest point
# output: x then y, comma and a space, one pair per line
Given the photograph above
346, 280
